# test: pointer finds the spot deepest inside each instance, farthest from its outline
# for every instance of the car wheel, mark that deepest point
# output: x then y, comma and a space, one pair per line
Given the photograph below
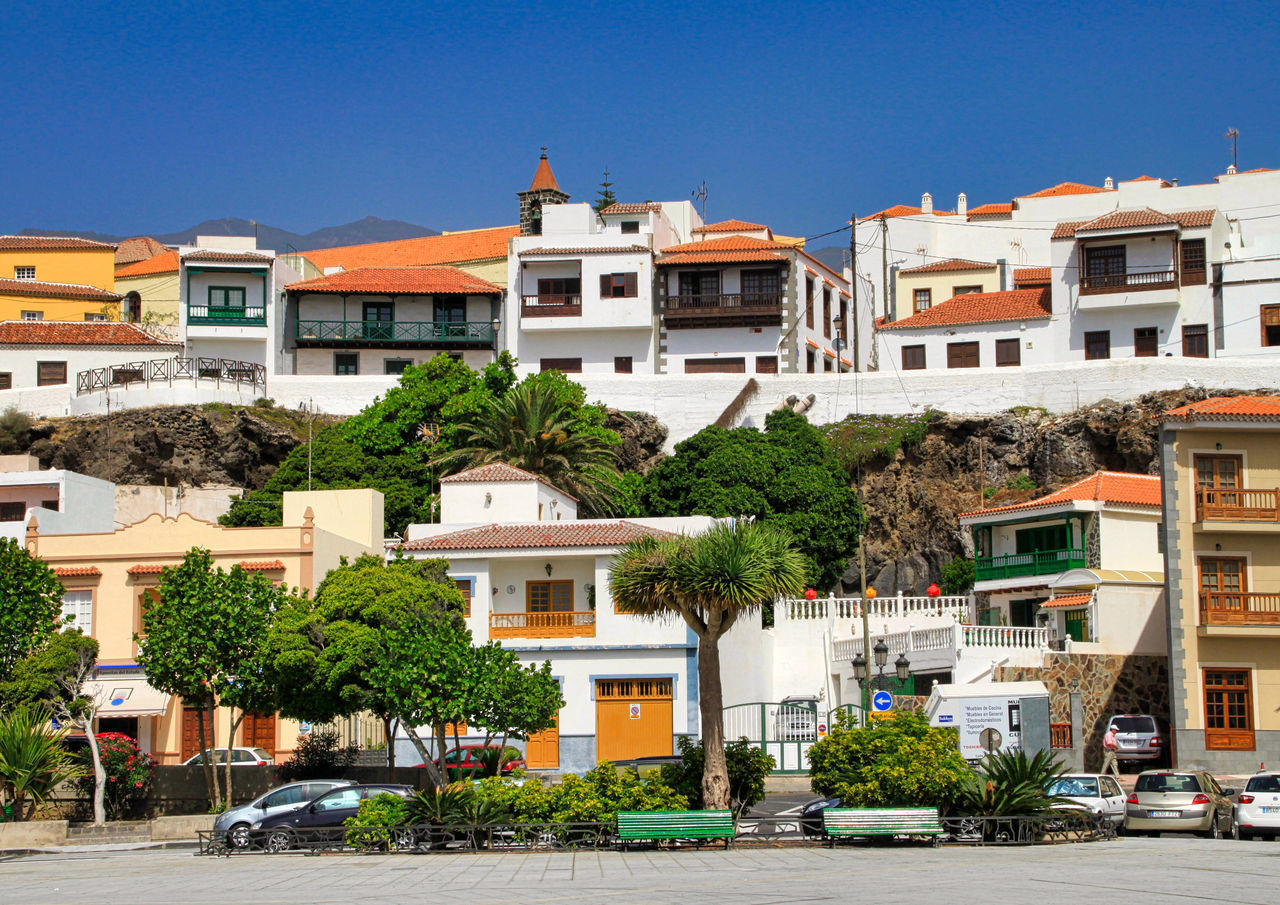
1240, 835
403, 840
238, 836
1214, 831
278, 841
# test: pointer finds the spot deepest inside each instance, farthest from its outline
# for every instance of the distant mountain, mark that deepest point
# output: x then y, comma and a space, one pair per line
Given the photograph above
833, 256
358, 232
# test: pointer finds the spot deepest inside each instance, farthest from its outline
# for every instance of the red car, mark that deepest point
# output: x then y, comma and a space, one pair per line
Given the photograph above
467, 757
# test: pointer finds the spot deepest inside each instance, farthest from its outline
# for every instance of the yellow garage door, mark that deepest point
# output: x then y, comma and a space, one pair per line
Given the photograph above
633, 718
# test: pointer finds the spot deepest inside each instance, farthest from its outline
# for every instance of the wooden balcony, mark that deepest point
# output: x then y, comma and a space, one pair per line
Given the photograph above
551, 305
1129, 282
543, 625
1237, 505
736, 309
1238, 608
403, 334
1019, 565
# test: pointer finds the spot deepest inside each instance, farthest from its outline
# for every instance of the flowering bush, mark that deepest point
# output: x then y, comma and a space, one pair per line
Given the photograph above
129, 775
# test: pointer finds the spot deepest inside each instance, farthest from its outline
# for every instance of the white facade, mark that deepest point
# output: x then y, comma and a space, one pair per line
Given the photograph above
1036, 339
59, 501
22, 361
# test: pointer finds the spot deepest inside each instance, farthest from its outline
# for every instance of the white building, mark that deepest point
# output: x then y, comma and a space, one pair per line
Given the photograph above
59, 501
77, 355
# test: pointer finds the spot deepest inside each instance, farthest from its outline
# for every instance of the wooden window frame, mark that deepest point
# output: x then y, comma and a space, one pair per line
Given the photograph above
1216, 459
623, 364
1217, 684
954, 348
551, 585
1192, 262
1003, 359
715, 365
1146, 346
624, 285
1092, 338
560, 286
337, 367
1269, 313
1193, 336
1105, 256
826, 311
914, 358
921, 300
766, 364
227, 294
810, 293
466, 587
6, 380
563, 365
43, 381
377, 309
93, 610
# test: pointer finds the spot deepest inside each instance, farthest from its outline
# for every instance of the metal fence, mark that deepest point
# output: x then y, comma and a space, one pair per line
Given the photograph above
785, 732
167, 370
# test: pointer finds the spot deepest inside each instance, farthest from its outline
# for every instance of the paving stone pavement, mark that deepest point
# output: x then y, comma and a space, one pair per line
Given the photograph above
1150, 871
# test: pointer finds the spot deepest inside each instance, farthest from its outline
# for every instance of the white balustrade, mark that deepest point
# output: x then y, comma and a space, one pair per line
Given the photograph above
955, 637
954, 607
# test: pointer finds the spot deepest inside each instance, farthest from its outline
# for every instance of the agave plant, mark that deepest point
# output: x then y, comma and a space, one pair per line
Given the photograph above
493, 759
1009, 783
32, 759
440, 805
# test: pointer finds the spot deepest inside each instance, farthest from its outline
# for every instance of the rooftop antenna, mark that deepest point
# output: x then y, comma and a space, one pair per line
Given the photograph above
1233, 134
700, 194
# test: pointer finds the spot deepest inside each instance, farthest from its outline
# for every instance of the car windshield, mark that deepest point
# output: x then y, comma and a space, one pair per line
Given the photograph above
1134, 724
263, 753
1263, 784
1166, 782
1075, 785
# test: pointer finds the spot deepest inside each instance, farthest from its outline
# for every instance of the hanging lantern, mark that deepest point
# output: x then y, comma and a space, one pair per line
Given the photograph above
933, 590
810, 594
871, 593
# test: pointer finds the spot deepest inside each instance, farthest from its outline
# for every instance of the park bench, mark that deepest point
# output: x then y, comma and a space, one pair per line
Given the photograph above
857, 822
691, 826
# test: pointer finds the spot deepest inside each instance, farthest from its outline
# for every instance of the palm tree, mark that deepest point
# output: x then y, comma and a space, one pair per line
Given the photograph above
532, 428
709, 580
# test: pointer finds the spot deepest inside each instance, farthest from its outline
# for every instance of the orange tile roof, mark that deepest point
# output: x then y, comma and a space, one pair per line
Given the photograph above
643, 207
541, 534
948, 265
730, 249
903, 210
543, 178
730, 226
1067, 188
147, 569
1228, 408
263, 565
1067, 229
1133, 219
139, 248
449, 248
1072, 600
409, 280
165, 262
991, 210
77, 333
1163, 182
56, 290
214, 256
1031, 276
52, 243
594, 250
1101, 486
500, 473
76, 571
979, 308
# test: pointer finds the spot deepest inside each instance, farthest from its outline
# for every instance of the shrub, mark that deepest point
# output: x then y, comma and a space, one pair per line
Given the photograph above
601, 793
957, 576
15, 432
1020, 481
319, 755
899, 761
748, 767
1011, 784
129, 775
32, 760
385, 810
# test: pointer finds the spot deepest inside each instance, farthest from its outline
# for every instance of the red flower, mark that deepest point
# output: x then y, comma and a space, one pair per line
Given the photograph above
138, 784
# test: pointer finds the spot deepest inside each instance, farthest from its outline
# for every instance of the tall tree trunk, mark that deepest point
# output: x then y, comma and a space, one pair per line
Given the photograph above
421, 747
438, 729
231, 741
99, 774
715, 771
206, 756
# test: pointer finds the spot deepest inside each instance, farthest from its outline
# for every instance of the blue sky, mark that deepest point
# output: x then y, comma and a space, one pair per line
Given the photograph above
125, 118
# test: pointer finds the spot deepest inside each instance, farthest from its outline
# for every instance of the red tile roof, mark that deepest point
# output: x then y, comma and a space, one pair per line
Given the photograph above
594, 250
1067, 188
1031, 276
147, 569
979, 308
56, 290
1133, 219
52, 243
644, 207
140, 248
1163, 182
543, 178
263, 565
449, 248
409, 280
500, 473
1102, 486
213, 256
730, 226
540, 534
730, 249
948, 265
1067, 229
76, 571
165, 262
1072, 600
991, 210
903, 210
1228, 408
77, 333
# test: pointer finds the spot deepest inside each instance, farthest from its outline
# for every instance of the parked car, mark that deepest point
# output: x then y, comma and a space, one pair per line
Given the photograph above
1096, 793
1181, 801
796, 719
1139, 739
1258, 807
468, 758
281, 832
240, 757
235, 822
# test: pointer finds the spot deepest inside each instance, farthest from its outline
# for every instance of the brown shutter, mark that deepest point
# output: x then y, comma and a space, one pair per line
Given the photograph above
715, 366
606, 285
631, 290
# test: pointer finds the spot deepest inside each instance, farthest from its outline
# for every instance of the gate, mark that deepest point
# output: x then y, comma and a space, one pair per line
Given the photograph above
783, 731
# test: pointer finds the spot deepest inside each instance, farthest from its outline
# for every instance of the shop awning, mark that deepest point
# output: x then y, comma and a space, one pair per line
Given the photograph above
126, 697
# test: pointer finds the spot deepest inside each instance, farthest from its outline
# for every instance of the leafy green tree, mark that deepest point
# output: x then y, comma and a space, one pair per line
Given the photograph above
32, 760
15, 432
784, 475
898, 761
607, 197
507, 698
30, 604
709, 580
957, 576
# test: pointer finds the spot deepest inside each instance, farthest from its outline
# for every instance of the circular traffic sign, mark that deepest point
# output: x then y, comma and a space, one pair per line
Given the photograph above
881, 701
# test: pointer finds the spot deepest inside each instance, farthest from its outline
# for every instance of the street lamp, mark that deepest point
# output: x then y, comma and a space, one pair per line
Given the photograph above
860, 667
880, 654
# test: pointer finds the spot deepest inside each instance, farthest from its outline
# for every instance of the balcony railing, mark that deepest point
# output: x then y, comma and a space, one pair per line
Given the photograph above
1128, 282
1237, 505
227, 316
551, 305
1017, 565
1059, 735
1238, 608
543, 625
954, 637
726, 309
392, 333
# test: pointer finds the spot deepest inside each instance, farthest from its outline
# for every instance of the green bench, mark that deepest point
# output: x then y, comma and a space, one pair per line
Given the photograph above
691, 826
856, 822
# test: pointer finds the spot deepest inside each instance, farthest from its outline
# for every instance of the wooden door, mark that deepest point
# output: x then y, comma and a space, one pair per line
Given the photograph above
190, 734
259, 731
1228, 710
542, 752
633, 718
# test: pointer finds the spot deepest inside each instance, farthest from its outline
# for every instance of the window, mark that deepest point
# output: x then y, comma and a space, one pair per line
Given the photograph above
1195, 340
810, 361
567, 290
1193, 262
760, 287
622, 364
913, 358
6, 380
1105, 260
715, 366
1043, 539
630, 226
826, 311
922, 299
1228, 710
448, 309
49, 373
697, 283
12, 512
226, 296
1218, 472
549, 596
33, 315
1008, 353
464, 588
77, 610
346, 363
810, 293
49, 504
1223, 584
27, 272
396, 365
95, 317
965, 290
962, 355
618, 286
563, 365
1269, 315
1146, 342
1097, 345
766, 364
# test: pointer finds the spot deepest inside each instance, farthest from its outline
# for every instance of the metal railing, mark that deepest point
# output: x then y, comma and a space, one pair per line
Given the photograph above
1128, 282
167, 370
748, 302
1239, 608
392, 332
573, 624
569, 305
1017, 565
1237, 505
227, 315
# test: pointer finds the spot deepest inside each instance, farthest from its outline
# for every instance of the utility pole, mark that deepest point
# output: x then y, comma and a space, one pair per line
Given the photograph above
1234, 135
853, 284
866, 618
884, 266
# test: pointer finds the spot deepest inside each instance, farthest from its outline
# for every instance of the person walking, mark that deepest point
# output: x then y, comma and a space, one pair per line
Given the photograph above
1109, 747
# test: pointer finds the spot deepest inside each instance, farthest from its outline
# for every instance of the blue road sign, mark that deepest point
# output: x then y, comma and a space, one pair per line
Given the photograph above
881, 701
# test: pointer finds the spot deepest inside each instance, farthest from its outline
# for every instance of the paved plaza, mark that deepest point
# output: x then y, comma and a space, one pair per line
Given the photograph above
1151, 871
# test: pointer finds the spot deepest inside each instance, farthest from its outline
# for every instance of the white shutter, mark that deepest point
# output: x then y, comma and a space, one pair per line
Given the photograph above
78, 607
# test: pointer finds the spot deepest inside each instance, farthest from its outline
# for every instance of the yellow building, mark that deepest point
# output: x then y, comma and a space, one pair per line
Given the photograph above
151, 288
1221, 531
108, 575
57, 278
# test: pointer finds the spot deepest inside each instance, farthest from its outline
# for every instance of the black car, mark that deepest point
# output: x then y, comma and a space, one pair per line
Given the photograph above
305, 824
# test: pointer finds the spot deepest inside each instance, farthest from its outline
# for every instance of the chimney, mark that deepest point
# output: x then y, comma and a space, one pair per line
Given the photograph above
1174, 182
962, 205
1231, 170
926, 203
1108, 183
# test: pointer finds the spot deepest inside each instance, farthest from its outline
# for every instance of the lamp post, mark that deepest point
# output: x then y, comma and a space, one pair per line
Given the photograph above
880, 653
